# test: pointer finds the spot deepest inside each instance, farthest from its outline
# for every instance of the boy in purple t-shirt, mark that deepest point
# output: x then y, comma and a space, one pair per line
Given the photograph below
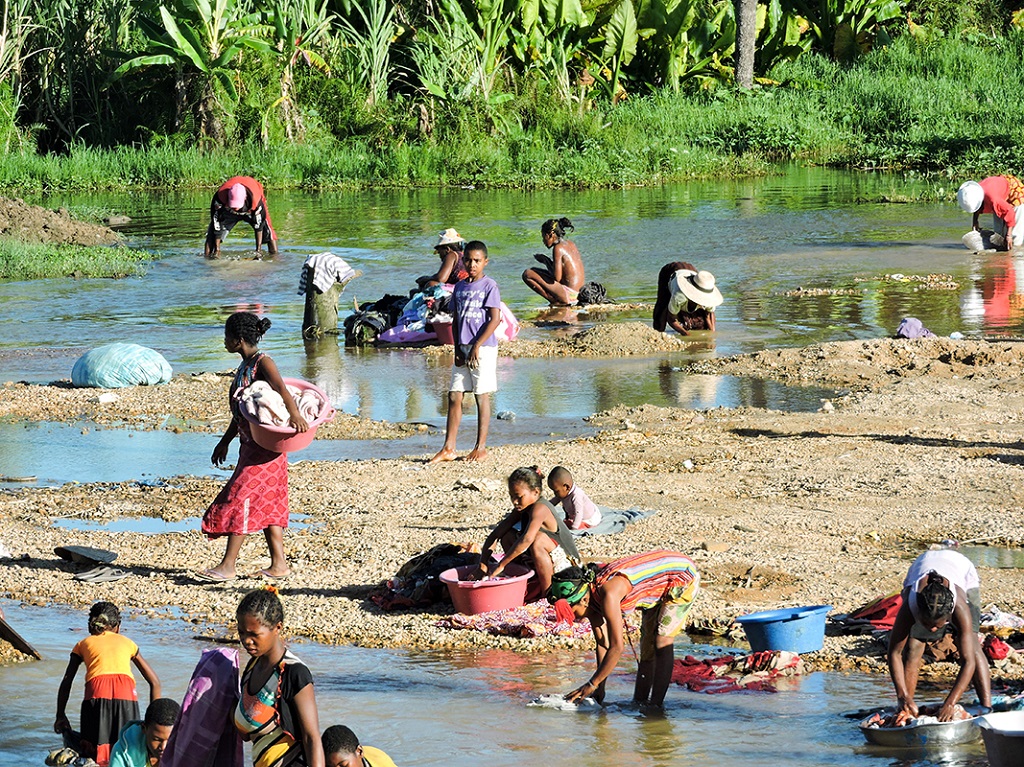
476, 314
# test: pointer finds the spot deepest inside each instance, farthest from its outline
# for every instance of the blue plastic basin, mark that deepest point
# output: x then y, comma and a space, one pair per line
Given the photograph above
795, 629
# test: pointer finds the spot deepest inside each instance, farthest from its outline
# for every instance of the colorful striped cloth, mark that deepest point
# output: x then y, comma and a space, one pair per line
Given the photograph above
536, 619
656, 576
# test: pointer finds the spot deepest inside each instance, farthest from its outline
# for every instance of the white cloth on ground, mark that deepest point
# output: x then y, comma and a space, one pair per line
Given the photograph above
267, 406
327, 270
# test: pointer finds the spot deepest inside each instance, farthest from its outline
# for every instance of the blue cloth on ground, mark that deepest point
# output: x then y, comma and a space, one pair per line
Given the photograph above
116, 366
912, 327
615, 520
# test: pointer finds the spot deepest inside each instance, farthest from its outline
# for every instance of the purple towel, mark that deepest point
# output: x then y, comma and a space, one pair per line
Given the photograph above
205, 734
911, 327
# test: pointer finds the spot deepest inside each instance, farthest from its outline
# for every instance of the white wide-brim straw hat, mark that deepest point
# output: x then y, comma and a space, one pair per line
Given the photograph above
970, 196
449, 237
699, 288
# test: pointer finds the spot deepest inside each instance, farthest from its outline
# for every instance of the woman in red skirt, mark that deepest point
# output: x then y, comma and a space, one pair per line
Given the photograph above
256, 496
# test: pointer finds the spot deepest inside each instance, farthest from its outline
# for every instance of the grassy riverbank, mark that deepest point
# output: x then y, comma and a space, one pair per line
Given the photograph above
947, 107
29, 261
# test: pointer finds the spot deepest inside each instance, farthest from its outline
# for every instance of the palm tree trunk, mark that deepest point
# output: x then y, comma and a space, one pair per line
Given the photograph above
746, 41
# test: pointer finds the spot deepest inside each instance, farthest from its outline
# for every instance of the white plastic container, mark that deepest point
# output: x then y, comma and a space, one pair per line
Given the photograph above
1004, 738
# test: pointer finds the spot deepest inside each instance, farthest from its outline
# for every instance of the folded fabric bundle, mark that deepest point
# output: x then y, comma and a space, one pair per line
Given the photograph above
732, 673
263, 403
327, 270
615, 520
536, 619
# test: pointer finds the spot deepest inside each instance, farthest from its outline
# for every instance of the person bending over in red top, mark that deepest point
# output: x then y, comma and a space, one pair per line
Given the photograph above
239, 198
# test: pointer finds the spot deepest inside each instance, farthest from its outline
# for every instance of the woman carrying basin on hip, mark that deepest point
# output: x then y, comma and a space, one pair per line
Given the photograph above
941, 594
661, 584
687, 299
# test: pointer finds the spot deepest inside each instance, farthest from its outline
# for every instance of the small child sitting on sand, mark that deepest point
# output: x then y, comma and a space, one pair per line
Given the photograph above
531, 531
580, 512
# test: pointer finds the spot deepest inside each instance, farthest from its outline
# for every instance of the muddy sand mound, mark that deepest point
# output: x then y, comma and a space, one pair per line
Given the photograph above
32, 223
875, 363
617, 339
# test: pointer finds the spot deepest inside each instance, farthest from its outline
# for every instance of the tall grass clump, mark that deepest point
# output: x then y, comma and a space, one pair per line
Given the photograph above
29, 261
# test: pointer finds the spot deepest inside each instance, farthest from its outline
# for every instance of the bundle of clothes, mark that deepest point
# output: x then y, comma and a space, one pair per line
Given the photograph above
260, 401
732, 673
418, 582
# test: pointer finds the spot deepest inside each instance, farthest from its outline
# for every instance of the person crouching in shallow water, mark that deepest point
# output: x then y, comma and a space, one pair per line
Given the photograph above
240, 198
661, 584
141, 744
687, 299
561, 281
533, 531
941, 594
452, 269
1003, 197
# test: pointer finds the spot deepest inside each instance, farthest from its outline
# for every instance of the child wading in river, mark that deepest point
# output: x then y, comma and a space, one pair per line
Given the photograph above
111, 700
277, 709
476, 314
256, 496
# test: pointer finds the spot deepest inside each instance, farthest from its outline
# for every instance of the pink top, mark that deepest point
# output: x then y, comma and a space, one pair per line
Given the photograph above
997, 193
580, 511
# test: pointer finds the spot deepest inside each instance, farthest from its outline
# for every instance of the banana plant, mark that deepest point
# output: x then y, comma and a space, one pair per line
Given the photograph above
369, 48
202, 41
829, 19
620, 37
300, 28
779, 36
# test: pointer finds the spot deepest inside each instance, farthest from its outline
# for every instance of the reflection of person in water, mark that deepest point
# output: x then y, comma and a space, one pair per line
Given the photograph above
686, 299
561, 281
1003, 197
1002, 297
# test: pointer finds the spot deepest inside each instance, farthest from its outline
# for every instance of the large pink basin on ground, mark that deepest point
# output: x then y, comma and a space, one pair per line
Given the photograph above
472, 597
284, 439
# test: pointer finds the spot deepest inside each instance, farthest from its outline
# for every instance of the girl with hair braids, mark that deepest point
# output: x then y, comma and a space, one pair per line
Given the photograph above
561, 281
661, 584
256, 496
940, 593
111, 700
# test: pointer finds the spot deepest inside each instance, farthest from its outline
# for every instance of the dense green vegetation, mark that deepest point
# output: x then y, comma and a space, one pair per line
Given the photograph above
28, 261
336, 93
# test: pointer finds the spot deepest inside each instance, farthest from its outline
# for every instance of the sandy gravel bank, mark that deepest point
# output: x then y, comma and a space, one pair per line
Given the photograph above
778, 509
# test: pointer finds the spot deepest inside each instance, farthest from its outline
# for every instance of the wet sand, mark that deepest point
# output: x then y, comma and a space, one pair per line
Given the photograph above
778, 509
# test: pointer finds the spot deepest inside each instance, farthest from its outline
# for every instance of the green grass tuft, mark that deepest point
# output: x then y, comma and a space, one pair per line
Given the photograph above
29, 261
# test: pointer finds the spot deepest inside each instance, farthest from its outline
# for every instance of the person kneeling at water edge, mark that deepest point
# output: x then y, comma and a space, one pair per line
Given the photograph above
687, 299
342, 749
940, 593
661, 584
239, 199
561, 281
532, 531
141, 744
1003, 197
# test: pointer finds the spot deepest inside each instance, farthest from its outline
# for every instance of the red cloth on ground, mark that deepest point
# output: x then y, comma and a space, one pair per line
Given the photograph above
732, 673
880, 613
256, 495
995, 648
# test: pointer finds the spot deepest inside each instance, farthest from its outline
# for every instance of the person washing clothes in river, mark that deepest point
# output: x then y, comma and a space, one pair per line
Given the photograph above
941, 594
449, 249
561, 281
661, 584
687, 299
1003, 197
240, 198
532, 532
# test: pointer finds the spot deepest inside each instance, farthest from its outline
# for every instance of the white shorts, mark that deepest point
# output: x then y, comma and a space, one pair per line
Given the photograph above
483, 379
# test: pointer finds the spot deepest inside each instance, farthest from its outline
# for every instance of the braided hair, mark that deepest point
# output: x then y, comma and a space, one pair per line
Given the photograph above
935, 600
530, 476
247, 327
263, 604
103, 616
556, 225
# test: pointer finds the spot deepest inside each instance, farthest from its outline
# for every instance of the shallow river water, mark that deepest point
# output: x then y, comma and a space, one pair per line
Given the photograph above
469, 708
761, 238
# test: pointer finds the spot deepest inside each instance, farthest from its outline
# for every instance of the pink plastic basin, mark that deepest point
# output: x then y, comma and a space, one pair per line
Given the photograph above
472, 597
444, 333
284, 439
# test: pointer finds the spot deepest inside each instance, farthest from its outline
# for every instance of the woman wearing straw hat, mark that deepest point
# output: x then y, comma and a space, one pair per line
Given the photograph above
449, 249
1003, 197
687, 299
239, 198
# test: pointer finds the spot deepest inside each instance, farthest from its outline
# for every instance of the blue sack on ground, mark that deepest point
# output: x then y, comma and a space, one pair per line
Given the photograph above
115, 366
